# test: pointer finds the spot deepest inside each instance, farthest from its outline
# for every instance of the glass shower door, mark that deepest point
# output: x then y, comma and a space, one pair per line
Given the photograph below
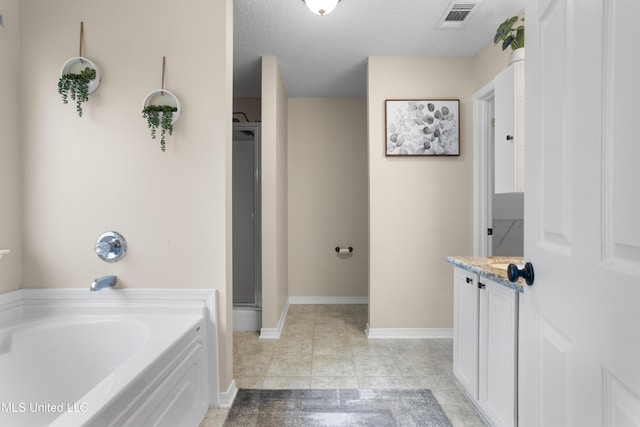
246, 215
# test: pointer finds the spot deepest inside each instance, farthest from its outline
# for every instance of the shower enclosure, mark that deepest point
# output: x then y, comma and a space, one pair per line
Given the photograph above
247, 255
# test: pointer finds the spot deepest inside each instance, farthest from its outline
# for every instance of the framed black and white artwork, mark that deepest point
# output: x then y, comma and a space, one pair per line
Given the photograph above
422, 127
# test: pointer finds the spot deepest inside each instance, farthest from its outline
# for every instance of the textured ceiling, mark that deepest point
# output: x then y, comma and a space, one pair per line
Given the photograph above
325, 56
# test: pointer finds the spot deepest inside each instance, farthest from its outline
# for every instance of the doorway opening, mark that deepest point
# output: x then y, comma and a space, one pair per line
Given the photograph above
498, 213
247, 227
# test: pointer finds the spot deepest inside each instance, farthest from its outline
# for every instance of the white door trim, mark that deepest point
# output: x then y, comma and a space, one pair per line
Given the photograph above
482, 148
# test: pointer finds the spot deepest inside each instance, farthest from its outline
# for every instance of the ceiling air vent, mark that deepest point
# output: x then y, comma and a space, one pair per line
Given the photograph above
457, 14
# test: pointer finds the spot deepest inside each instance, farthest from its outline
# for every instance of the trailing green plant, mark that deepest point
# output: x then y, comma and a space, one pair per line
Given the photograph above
159, 116
509, 35
76, 87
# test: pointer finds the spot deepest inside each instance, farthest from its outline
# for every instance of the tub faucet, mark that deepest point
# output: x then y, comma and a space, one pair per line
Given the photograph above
103, 282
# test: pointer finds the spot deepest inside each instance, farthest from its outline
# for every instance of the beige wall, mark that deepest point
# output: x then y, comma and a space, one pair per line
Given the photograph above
421, 208
412, 231
274, 193
10, 170
87, 175
224, 142
328, 203
488, 63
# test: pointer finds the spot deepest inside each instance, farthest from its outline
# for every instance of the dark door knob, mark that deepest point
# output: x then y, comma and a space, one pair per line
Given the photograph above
526, 273
509, 137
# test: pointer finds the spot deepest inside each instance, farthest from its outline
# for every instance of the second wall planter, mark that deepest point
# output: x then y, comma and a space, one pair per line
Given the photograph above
162, 110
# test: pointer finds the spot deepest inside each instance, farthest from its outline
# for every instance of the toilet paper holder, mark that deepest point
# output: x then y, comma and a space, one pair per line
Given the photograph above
338, 249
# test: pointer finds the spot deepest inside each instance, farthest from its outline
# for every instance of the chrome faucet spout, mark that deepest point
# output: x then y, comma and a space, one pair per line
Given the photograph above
103, 282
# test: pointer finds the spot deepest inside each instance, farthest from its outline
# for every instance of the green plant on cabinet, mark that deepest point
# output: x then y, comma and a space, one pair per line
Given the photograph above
510, 36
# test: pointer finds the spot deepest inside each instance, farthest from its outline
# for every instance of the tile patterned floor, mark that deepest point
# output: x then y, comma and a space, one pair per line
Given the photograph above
324, 346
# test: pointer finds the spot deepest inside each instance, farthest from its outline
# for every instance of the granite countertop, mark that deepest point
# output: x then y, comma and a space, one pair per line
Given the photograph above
489, 267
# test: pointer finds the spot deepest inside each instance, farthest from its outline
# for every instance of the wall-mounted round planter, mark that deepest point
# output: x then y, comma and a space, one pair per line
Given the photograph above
164, 97
79, 63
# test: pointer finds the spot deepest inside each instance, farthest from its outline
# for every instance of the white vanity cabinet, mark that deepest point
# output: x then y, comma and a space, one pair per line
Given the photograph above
497, 353
509, 129
465, 330
485, 337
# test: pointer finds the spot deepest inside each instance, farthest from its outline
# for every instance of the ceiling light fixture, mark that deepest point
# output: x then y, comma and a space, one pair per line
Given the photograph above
321, 7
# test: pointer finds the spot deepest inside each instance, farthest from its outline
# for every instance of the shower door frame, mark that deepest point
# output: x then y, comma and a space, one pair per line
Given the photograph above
257, 211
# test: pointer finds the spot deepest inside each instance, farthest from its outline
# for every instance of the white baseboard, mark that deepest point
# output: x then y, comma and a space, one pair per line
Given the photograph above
274, 333
328, 300
226, 398
408, 333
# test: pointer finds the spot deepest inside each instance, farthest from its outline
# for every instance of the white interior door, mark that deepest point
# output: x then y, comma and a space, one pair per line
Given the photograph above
581, 343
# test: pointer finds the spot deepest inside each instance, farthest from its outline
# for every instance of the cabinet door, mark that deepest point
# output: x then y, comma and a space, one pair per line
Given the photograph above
518, 76
465, 330
508, 149
504, 148
498, 352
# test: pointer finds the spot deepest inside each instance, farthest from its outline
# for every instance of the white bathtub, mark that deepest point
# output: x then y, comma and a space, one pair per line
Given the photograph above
103, 366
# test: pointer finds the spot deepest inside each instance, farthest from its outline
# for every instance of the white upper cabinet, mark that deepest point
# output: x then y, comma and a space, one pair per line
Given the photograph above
509, 129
